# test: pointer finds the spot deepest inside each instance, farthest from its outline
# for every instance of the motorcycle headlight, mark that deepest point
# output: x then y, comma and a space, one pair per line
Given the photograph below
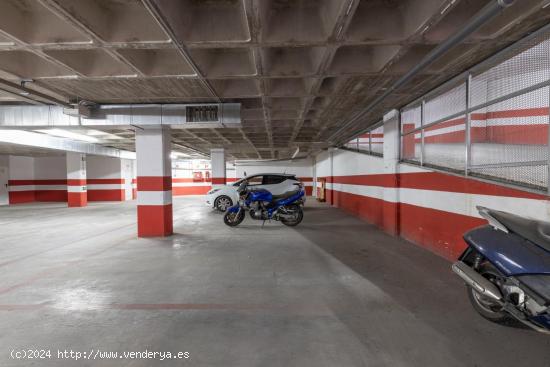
213, 191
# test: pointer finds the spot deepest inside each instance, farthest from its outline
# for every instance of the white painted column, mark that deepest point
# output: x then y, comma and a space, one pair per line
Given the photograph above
217, 157
391, 164
154, 182
77, 193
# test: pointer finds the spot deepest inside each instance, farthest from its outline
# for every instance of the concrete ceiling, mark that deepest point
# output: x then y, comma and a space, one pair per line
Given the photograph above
300, 68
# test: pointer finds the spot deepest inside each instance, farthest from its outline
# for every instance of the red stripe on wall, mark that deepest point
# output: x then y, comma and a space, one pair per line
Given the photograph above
434, 181
442, 182
183, 180
106, 195
19, 197
105, 181
190, 190
36, 182
154, 183
51, 195
76, 182
438, 231
305, 179
154, 220
218, 181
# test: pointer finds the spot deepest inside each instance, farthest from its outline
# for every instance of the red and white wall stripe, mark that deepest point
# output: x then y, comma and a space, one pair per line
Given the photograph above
431, 209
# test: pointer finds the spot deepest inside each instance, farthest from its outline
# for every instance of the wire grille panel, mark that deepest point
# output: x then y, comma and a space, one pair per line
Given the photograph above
501, 132
446, 104
444, 144
525, 69
510, 140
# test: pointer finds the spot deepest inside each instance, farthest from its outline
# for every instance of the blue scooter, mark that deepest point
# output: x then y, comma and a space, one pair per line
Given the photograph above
262, 205
506, 268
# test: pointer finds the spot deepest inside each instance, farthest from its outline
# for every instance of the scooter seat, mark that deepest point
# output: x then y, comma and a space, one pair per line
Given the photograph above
285, 195
535, 231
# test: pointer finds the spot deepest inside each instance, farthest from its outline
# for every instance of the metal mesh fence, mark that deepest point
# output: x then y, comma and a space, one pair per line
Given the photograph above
492, 123
444, 144
370, 142
446, 104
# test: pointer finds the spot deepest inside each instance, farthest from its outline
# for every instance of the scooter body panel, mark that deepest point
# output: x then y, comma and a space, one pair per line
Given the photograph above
510, 253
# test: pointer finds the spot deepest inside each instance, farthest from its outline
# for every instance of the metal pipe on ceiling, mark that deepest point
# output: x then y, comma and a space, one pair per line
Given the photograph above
487, 13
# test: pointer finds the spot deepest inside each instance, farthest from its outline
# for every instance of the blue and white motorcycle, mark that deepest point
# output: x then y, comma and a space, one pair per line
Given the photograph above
506, 268
262, 205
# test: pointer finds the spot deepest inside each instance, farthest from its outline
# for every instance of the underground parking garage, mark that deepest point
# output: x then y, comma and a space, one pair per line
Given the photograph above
274, 183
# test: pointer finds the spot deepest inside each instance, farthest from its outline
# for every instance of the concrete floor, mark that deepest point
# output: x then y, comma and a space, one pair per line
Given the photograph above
332, 292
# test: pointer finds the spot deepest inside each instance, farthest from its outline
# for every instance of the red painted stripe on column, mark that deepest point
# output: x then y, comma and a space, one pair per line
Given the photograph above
218, 180
154, 220
76, 182
231, 179
305, 179
154, 183
77, 199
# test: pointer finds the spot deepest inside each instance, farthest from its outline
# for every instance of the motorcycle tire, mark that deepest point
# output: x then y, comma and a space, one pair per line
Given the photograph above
233, 219
492, 312
300, 216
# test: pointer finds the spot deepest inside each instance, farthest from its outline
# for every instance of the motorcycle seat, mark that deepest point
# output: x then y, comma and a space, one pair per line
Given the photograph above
285, 195
535, 231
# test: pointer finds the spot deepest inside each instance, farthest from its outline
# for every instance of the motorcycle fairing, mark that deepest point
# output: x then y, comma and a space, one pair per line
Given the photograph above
510, 253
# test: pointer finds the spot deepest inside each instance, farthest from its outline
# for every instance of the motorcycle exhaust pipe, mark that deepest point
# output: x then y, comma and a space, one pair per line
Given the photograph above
476, 281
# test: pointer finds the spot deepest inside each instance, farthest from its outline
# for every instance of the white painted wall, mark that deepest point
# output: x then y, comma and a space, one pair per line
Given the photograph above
103, 167
21, 168
50, 168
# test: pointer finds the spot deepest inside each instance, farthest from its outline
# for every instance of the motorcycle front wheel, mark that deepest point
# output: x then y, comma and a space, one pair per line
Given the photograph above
233, 219
297, 214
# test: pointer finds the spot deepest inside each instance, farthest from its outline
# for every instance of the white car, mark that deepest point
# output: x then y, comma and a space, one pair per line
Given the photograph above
223, 197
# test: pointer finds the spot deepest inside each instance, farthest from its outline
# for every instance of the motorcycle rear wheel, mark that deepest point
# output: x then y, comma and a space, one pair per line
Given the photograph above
486, 307
233, 219
299, 215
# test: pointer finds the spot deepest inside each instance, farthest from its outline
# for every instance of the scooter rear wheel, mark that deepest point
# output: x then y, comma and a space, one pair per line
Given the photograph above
233, 219
486, 307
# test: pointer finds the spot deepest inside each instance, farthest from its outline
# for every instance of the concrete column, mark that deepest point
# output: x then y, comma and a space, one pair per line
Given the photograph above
217, 157
77, 193
391, 167
154, 182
